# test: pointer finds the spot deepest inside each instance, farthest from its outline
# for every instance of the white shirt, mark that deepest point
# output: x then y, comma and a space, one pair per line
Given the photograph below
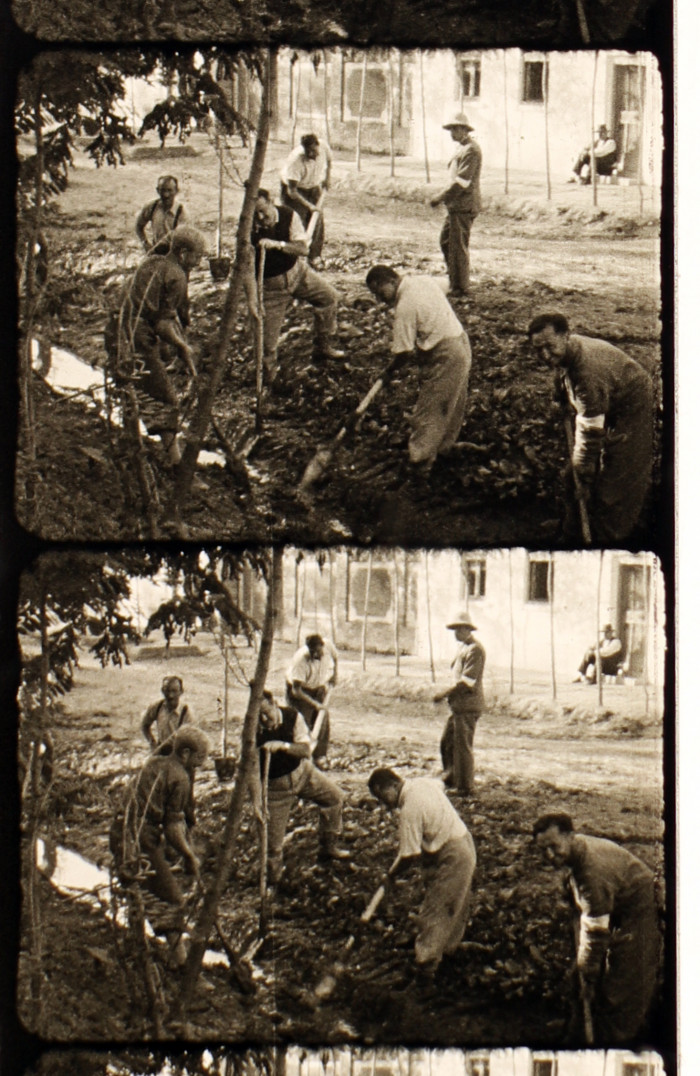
427, 820
305, 172
422, 315
313, 674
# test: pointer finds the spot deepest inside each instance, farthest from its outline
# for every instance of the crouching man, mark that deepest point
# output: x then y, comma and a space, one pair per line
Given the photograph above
430, 827
282, 733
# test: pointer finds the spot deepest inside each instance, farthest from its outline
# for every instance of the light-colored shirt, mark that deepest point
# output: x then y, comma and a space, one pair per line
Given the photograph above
305, 172
313, 673
422, 315
427, 819
605, 147
167, 721
162, 221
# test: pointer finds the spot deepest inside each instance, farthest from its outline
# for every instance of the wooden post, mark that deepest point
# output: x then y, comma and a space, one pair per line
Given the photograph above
392, 154
325, 96
505, 118
300, 620
331, 595
640, 112
550, 583
512, 624
220, 152
296, 100
224, 738
422, 109
358, 144
594, 171
397, 651
363, 646
427, 608
545, 93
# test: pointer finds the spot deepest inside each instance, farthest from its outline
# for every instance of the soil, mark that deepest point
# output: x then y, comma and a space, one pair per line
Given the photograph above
499, 486
506, 984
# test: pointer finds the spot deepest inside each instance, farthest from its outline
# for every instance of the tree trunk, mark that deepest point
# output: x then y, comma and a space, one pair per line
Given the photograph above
358, 144
427, 609
551, 624
297, 95
302, 598
392, 148
422, 113
247, 778
325, 97
242, 277
512, 621
545, 92
640, 112
505, 119
363, 644
594, 171
331, 596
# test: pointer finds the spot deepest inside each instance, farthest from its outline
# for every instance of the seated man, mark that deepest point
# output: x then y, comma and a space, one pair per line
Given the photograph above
610, 654
605, 153
283, 734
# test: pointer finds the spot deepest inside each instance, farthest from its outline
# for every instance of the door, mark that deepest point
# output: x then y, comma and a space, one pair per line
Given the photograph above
632, 616
628, 111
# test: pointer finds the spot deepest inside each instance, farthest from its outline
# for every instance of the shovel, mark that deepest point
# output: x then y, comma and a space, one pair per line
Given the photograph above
578, 489
325, 987
323, 457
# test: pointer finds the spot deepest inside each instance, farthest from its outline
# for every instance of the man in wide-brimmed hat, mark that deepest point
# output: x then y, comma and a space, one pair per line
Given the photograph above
462, 200
466, 702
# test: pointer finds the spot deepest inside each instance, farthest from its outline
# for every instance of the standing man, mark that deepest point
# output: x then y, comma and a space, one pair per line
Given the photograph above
167, 715
605, 153
610, 648
466, 702
618, 943
462, 200
305, 174
162, 215
430, 827
311, 675
279, 232
150, 325
612, 399
159, 812
426, 325
283, 734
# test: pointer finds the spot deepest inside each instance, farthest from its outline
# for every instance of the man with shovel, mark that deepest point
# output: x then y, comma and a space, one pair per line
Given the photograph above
612, 400
427, 330
305, 175
278, 236
618, 942
311, 676
430, 828
282, 734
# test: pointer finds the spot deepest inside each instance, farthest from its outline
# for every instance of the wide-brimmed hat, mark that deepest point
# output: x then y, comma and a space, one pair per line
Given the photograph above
462, 621
458, 119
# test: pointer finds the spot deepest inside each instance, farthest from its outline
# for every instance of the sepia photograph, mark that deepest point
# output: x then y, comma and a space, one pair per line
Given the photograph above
346, 797
344, 294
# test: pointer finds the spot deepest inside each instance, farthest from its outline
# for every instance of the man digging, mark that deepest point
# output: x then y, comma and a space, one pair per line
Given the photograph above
311, 675
283, 735
427, 331
430, 829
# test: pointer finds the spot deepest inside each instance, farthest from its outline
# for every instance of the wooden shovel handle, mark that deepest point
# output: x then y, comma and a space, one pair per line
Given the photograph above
373, 905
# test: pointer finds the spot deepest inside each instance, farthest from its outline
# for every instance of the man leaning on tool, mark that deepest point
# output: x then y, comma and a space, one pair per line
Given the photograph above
612, 399
427, 330
312, 673
305, 175
462, 200
430, 828
283, 734
466, 701
278, 231
618, 941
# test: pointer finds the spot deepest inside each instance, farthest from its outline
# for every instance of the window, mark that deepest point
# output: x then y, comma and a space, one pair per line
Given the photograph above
542, 1066
381, 592
636, 1068
479, 1066
538, 579
374, 105
474, 569
535, 79
471, 78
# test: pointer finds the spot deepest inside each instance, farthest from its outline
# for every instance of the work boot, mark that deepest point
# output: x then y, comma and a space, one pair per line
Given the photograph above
329, 849
323, 349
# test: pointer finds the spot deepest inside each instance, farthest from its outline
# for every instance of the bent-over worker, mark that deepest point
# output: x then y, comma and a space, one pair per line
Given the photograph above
312, 673
427, 330
618, 947
430, 828
612, 399
283, 734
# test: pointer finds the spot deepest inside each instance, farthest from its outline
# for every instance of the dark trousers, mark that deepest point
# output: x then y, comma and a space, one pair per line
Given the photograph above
309, 715
312, 194
457, 751
603, 165
454, 243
